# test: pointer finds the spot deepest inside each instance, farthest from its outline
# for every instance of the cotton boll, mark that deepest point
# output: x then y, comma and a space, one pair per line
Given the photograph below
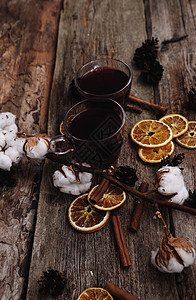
83, 188
59, 180
69, 174
173, 266
10, 137
11, 128
36, 147
67, 182
13, 154
70, 189
171, 181
6, 119
2, 140
173, 254
85, 176
181, 196
5, 162
187, 257
19, 144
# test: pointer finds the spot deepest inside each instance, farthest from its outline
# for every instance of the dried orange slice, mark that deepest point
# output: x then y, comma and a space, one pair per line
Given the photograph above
95, 294
111, 199
155, 155
188, 139
151, 133
177, 123
61, 129
84, 217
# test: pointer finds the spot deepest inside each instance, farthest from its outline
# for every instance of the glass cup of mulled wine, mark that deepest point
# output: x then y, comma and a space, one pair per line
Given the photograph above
105, 77
93, 134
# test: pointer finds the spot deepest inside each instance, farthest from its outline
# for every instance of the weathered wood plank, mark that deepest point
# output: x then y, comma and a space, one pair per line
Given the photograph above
28, 32
178, 59
90, 29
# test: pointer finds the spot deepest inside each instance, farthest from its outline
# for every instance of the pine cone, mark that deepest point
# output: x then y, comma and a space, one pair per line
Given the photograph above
152, 73
146, 53
126, 175
52, 282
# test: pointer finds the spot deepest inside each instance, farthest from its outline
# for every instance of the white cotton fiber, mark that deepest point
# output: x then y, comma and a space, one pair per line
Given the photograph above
10, 137
69, 174
19, 144
2, 140
85, 177
6, 119
11, 128
5, 162
171, 181
173, 265
70, 189
38, 151
59, 180
13, 154
67, 181
187, 257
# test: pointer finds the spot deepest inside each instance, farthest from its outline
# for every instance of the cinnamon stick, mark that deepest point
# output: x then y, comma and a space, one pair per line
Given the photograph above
120, 240
119, 293
160, 109
100, 190
134, 108
138, 208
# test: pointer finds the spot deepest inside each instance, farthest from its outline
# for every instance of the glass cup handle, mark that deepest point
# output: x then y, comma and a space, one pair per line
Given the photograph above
60, 145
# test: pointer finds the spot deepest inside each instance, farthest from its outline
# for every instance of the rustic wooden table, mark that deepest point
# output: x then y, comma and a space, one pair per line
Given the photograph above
42, 45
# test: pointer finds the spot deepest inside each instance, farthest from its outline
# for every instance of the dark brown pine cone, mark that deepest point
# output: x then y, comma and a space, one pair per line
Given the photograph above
126, 175
146, 53
52, 282
152, 73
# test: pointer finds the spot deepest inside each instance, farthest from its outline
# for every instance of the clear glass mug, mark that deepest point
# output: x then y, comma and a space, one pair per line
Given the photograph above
93, 134
105, 77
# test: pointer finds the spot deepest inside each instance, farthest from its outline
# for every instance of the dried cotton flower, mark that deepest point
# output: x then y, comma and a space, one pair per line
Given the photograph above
6, 119
11, 147
37, 146
173, 254
170, 182
13, 154
5, 162
67, 181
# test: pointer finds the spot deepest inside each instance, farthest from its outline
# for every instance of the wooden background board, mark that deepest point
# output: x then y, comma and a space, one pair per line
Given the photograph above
28, 33
88, 29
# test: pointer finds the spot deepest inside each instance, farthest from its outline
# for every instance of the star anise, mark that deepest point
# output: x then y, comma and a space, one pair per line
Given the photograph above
126, 175
173, 162
52, 282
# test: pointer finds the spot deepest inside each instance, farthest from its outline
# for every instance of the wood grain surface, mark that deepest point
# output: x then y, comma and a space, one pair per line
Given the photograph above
34, 36
28, 34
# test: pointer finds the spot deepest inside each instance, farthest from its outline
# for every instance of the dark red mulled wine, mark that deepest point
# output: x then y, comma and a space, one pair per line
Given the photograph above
102, 81
94, 124
105, 77
94, 134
